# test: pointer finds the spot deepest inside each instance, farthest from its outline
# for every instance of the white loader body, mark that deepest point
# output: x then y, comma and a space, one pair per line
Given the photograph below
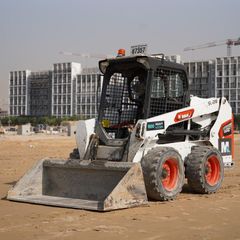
201, 111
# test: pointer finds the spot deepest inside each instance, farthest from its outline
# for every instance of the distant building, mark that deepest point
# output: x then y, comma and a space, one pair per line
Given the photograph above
63, 85
87, 93
174, 58
18, 92
219, 77
201, 75
3, 113
30, 93
40, 93
69, 90
227, 80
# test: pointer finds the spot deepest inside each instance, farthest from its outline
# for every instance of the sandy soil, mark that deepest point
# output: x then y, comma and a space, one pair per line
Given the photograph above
191, 216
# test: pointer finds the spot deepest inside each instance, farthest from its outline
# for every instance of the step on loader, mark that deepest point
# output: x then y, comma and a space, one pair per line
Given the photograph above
149, 136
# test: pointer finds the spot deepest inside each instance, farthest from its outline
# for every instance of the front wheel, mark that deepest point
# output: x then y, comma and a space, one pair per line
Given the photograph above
163, 172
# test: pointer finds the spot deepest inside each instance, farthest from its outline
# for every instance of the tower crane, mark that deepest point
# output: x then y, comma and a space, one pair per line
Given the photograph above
228, 42
85, 55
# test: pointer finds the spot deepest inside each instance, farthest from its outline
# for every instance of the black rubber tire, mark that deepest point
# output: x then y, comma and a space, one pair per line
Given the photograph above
196, 168
74, 154
152, 164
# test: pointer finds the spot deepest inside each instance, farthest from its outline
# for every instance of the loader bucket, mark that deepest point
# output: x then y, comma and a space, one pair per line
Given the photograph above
91, 185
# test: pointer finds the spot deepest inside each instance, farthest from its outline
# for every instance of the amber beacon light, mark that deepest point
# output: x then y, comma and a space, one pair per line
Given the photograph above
121, 52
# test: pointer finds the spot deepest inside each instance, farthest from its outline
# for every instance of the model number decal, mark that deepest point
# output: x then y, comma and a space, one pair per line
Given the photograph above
212, 102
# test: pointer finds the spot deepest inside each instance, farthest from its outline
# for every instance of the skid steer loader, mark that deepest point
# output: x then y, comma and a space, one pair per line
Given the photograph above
149, 136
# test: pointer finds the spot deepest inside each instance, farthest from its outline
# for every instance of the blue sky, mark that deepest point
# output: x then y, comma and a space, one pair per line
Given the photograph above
32, 32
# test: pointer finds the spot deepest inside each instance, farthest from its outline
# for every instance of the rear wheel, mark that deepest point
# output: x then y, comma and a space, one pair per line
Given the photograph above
163, 173
204, 169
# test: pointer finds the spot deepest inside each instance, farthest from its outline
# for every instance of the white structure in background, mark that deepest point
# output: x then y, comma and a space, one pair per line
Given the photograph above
24, 129
18, 92
63, 85
174, 58
227, 80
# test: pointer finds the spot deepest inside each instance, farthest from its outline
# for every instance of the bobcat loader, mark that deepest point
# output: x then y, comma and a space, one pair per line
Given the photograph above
149, 136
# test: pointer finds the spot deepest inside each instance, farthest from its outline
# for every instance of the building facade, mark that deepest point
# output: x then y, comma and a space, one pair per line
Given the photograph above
18, 92
227, 80
216, 78
69, 90
87, 93
3, 113
201, 76
40, 93
66, 90
63, 85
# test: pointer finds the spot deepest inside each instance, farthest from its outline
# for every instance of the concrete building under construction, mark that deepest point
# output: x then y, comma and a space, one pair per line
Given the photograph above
219, 77
201, 76
227, 80
66, 90
40, 93
69, 90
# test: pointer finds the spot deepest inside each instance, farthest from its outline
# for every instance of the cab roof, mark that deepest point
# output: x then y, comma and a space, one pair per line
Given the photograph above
148, 62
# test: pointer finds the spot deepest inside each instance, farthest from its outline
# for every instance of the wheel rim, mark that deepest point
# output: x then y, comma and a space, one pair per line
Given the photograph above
212, 170
170, 174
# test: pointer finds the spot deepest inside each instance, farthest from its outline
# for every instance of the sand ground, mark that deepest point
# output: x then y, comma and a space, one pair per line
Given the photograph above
190, 216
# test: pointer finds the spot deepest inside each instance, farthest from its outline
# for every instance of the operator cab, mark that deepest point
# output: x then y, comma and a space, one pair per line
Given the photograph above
139, 87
